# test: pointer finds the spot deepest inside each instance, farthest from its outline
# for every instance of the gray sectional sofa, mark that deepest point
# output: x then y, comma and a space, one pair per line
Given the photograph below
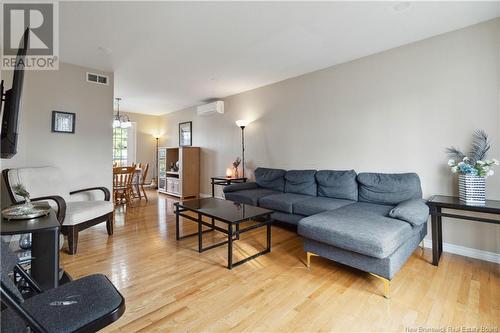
370, 221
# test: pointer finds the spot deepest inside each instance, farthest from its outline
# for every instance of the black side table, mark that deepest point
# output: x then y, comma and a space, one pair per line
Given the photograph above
438, 202
44, 246
224, 181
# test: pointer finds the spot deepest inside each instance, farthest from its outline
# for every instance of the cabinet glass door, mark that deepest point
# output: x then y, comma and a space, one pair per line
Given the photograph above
162, 163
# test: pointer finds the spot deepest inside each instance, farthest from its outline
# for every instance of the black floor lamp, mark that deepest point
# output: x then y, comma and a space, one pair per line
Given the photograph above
157, 137
242, 124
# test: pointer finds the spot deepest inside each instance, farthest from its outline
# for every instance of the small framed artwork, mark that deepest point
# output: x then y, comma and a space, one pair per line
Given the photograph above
185, 134
63, 122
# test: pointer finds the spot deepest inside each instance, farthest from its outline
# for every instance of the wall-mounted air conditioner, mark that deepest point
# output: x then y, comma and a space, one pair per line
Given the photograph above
211, 108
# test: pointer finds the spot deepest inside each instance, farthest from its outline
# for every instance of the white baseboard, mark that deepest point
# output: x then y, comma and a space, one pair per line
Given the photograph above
467, 251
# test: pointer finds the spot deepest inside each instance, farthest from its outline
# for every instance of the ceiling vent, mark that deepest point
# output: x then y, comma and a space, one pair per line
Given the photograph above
97, 78
211, 108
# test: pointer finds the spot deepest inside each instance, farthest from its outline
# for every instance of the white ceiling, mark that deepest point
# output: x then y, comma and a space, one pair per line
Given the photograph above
170, 55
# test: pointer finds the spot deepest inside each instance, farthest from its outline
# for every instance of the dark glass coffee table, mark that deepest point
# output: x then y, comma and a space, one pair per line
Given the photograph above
229, 213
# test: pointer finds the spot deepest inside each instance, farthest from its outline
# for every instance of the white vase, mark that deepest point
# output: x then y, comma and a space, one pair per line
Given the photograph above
472, 189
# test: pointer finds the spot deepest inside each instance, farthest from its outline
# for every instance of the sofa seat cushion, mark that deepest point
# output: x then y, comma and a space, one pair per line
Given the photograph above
292, 219
315, 205
250, 197
361, 227
300, 182
81, 211
282, 202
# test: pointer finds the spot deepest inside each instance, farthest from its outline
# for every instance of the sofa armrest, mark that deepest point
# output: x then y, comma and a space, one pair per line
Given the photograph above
61, 205
240, 186
107, 194
413, 211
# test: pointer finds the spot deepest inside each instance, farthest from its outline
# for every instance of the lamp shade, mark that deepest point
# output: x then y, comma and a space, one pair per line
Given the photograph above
242, 123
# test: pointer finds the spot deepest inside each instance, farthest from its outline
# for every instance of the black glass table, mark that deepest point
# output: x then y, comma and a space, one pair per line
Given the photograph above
229, 213
44, 246
438, 202
225, 181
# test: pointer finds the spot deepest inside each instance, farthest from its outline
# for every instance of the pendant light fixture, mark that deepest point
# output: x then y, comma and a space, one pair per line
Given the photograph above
120, 120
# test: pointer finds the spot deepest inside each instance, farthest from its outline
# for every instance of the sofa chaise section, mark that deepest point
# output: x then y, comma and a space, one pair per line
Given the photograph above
361, 227
384, 268
364, 235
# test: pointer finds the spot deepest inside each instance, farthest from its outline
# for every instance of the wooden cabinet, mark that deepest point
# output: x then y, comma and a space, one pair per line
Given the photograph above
184, 182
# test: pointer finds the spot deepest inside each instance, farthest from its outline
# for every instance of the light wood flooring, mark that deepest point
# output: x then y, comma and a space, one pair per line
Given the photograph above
170, 287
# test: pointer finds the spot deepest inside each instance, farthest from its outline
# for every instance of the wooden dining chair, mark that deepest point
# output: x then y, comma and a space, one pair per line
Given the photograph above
122, 184
144, 167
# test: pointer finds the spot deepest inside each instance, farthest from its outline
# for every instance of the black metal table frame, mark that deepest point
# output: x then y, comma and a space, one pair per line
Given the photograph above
437, 224
231, 236
226, 182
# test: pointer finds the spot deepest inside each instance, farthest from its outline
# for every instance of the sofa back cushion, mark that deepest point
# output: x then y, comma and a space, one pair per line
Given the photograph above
301, 182
339, 184
388, 188
273, 179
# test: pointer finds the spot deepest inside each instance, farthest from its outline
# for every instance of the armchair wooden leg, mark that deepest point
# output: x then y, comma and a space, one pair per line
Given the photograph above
109, 224
144, 192
72, 239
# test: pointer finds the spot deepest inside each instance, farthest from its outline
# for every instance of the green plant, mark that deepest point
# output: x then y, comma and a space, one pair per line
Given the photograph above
475, 162
478, 152
21, 191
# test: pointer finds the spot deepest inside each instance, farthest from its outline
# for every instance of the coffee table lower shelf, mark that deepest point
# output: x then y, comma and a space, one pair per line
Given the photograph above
233, 232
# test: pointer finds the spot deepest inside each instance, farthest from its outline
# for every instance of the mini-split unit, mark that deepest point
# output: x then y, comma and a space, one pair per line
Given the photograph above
211, 108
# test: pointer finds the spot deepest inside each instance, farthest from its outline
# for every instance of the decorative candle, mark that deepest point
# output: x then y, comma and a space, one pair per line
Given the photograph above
229, 172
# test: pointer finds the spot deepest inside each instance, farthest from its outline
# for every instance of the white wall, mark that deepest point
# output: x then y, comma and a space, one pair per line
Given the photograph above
86, 156
146, 127
395, 111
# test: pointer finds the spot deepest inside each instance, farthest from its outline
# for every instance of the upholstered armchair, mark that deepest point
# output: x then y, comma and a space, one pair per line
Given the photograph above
74, 213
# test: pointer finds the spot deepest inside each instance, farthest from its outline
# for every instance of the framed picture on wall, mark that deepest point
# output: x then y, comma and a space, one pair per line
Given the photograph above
63, 122
185, 134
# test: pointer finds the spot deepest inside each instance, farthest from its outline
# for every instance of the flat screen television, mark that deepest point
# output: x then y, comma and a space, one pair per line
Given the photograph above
11, 101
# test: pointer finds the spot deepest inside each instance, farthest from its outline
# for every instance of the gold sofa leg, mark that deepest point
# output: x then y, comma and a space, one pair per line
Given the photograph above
309, 255
387, 285
421, 245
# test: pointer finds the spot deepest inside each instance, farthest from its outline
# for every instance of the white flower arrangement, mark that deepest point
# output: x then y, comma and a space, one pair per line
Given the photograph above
480, 168
475, 163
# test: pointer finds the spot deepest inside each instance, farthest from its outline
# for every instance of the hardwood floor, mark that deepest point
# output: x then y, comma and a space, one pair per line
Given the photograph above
170, 287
